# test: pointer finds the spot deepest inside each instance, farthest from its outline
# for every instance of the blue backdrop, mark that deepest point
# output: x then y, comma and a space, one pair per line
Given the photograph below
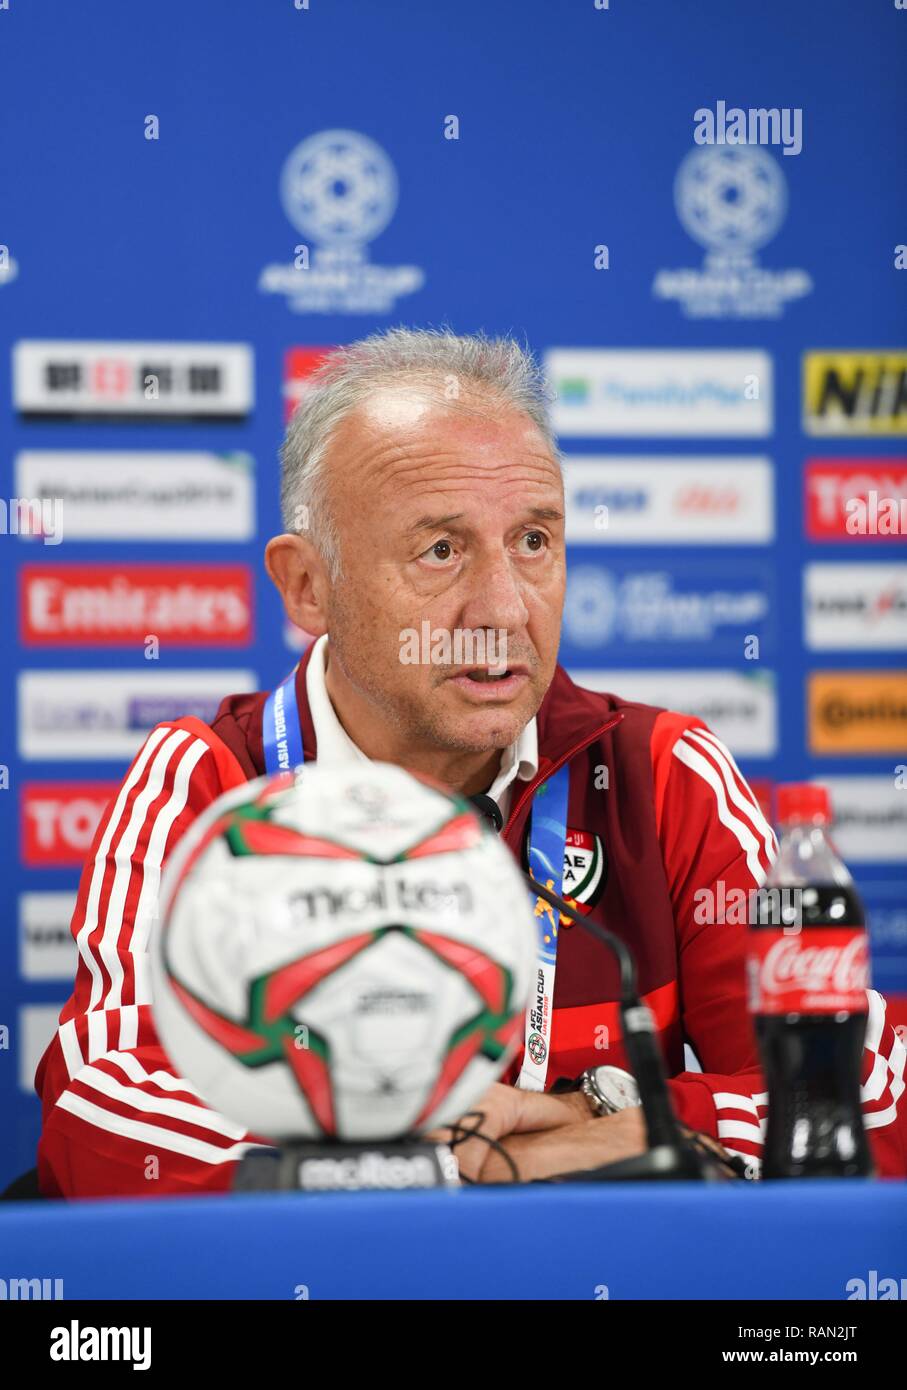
555, 213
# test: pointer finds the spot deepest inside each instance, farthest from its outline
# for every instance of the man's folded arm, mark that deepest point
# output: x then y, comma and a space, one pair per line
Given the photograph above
117, 1119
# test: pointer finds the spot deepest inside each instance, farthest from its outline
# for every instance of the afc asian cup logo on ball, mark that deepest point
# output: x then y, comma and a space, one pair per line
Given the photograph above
369, 799
730, 198
339, 187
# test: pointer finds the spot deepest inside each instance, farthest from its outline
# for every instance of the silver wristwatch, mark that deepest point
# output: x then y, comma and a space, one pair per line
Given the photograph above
609, 1089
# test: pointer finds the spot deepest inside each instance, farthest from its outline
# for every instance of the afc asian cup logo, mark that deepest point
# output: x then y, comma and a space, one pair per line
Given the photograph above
9, 266
592, 608
339, 188
730, 198
537, 1048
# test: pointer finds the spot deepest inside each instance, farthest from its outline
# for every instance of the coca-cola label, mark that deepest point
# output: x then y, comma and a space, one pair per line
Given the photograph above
824, 970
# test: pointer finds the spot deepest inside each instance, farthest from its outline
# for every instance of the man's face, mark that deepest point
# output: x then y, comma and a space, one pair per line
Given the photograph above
450, 514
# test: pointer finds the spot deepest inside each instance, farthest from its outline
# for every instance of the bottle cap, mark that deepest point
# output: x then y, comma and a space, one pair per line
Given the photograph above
803, 803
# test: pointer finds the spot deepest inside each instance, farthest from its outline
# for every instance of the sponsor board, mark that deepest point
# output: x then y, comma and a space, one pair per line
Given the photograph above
108, 495
731, 200
635, 391
298, 365
47, 948
855, 607
856, 499
339, 190
37, 1025
857, 712
869, 818
641, 611
133, 379
59, 819
122, 605
75, 715
668, 500
854, 393
739, 708
886, 914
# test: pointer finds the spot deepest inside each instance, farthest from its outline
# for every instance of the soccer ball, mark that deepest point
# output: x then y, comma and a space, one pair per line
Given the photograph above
343, 952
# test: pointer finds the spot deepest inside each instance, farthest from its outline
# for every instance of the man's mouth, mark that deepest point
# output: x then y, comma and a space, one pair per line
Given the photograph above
483, 676
493, 681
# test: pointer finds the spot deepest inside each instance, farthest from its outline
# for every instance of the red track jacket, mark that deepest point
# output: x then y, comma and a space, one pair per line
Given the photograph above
657, 812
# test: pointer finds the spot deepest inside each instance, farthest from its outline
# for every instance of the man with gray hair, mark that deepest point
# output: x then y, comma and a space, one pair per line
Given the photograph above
422, 498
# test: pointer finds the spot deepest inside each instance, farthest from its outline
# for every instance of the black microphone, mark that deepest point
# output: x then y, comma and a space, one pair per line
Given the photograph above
668, 1155
489, 810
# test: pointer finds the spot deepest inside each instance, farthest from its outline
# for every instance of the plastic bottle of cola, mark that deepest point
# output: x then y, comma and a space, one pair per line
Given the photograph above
808, 972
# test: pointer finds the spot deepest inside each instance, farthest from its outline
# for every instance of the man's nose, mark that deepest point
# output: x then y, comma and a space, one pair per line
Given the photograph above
495, 598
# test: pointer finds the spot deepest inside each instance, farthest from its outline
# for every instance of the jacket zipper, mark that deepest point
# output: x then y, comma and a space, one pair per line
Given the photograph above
565, 758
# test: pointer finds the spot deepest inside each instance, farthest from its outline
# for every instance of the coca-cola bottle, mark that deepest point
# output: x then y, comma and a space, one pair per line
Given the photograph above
808, 969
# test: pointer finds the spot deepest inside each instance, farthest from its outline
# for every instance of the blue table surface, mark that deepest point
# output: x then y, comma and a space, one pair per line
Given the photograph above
794, 1240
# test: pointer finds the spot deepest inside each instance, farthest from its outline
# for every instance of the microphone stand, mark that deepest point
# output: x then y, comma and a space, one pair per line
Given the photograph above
669, 1155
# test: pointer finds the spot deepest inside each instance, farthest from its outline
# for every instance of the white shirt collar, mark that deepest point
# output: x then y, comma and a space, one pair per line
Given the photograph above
519, 762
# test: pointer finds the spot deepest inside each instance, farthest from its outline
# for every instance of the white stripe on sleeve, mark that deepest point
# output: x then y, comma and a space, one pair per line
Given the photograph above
742, 831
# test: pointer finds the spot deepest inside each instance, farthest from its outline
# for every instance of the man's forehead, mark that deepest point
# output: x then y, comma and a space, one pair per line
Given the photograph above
407, 447
422, 411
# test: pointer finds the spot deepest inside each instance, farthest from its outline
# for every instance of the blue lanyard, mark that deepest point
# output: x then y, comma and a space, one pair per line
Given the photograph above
547, 840
282, 740
281, 730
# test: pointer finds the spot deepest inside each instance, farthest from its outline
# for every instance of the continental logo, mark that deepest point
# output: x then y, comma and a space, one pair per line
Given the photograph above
858, 712
852, 393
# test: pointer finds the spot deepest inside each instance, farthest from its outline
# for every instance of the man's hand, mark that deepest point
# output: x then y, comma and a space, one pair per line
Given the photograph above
588, 1143
543, 1134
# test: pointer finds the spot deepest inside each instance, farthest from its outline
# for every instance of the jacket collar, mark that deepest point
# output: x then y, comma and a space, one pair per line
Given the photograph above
569, 719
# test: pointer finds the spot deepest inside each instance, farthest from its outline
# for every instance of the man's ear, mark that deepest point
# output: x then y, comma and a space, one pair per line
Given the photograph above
301, 577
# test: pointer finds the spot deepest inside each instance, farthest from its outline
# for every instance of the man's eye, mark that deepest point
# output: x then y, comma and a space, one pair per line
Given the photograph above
535, 540
442, 551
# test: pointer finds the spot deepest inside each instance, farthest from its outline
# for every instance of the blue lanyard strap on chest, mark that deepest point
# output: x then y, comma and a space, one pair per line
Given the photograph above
281, 730
547, 840
282, 740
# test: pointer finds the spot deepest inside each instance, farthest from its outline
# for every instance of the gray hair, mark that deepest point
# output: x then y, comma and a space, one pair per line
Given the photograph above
498, 368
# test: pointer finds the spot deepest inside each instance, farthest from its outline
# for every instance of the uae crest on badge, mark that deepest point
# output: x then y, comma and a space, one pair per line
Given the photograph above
584, 871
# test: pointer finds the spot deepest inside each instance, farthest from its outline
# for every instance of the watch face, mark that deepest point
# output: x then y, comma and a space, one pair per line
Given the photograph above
616, 1087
